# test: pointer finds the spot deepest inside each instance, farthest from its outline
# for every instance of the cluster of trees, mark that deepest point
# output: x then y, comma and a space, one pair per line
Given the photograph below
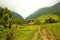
5, 17
6, 30
18, 21
50, 20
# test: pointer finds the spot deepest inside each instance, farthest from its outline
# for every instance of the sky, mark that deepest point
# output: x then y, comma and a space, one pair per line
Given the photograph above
26, 7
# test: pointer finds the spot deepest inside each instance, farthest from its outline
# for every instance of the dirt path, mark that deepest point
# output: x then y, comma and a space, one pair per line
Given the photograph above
44, 34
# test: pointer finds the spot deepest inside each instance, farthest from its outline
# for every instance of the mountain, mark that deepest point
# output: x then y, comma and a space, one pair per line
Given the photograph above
57, 6
38, 13
43, 11
16, 15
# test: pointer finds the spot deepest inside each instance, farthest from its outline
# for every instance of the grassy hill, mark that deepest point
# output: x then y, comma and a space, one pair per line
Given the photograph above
43, 11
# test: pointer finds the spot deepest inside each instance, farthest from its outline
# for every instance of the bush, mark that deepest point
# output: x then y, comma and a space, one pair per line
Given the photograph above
50, 20
37, 22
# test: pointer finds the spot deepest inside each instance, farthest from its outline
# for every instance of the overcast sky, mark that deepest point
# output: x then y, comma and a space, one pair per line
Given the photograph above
26, 7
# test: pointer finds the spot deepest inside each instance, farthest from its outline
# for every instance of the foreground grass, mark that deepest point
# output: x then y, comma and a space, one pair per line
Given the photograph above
55, 28
27, 32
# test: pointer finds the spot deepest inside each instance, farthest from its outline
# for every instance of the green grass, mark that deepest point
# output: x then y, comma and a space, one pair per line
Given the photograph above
26, 32
39, 37
55, 28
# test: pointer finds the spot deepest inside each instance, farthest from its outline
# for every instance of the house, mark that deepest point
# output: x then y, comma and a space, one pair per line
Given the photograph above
31, 21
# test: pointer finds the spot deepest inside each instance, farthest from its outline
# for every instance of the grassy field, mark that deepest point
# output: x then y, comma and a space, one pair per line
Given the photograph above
55, 28
27, 32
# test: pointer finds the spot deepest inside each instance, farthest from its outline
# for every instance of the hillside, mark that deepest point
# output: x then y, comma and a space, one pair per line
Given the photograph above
43, 11
16, 15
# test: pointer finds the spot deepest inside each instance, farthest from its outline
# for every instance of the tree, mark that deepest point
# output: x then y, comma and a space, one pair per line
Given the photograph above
6, 31
1, 14
6, 18
50, 20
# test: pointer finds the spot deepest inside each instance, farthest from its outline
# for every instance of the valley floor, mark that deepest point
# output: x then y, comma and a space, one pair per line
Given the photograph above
39, 32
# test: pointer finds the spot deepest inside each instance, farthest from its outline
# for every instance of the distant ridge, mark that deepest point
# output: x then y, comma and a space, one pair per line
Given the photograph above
43, 11
16, 15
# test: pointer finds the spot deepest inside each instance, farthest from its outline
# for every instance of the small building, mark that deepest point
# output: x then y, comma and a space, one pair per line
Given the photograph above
31, 21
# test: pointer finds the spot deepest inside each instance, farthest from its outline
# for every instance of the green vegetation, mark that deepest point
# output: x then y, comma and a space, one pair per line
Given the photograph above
26, 33
7, 29
49, 18
35, 27
55, 27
